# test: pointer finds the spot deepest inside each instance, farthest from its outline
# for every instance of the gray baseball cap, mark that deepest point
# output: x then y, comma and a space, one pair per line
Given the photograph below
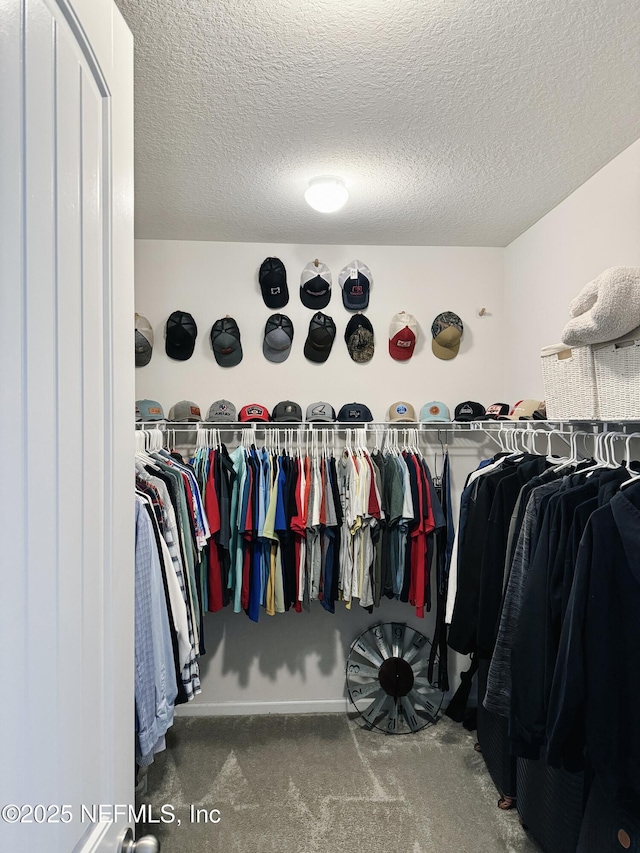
185, 411
287, 411
278, 337
225, 342
144, 341
321, 412
149, 410
222, 410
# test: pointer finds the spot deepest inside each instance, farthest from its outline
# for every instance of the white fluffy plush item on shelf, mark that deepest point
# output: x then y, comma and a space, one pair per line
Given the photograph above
607, 308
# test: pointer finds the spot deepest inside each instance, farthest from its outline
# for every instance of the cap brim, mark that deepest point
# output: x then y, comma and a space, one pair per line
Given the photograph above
445, 353
321, 420
220, 419
400, 354
360, 360
289, 419
278, 301
230, 359
277, 356
179, 353
435, 420
316, 355
315, 302
356, 304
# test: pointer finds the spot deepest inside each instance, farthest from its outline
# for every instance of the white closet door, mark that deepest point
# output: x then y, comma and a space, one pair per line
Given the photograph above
66, 405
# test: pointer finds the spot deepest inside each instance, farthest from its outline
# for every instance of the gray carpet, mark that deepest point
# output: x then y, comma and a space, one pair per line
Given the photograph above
321, 784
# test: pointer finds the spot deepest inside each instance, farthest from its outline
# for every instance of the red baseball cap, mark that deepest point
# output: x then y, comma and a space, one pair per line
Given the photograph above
254, 412
403, 334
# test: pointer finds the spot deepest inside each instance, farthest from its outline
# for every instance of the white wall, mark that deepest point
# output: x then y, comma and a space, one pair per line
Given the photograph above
213, 279
296, 662
596, 227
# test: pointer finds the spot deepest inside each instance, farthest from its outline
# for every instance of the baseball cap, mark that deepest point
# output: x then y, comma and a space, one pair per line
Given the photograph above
278, 336
273, 283
286, 411
355, 281
315, 285
320, 412
253, 412
359, 338
446, 330
150, 410
526, 410
144, 341
322, 333
435, 411
225, 342
222, 410
469, 411
185, 410
180, 333
497, 411
403, 334
402, 412
355, 413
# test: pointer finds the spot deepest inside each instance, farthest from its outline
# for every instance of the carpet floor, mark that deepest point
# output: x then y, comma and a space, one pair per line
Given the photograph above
322, 784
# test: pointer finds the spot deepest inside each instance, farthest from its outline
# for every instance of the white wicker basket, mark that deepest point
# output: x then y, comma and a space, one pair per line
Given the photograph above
617, 365
569, 380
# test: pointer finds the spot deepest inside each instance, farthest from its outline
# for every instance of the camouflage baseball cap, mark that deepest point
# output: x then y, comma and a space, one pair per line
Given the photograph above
359, 339
446, 331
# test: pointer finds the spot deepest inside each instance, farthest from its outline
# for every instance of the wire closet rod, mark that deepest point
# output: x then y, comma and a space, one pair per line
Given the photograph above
566, 427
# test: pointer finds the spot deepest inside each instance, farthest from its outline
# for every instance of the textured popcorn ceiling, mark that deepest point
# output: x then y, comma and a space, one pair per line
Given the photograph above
456, 122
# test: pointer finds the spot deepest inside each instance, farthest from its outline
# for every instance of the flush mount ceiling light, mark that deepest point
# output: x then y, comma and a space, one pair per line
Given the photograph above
326, 194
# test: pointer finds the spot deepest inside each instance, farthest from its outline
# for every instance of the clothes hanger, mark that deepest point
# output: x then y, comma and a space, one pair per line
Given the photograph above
635, 476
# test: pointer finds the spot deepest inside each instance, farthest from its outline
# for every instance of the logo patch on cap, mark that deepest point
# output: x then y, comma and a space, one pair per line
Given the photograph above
154, 410
319, 410
434, 410
401, 410
466, 410
354, 413
255, 410
402, 343
195, 411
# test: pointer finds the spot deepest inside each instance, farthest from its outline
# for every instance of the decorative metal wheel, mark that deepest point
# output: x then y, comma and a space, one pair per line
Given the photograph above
387, 679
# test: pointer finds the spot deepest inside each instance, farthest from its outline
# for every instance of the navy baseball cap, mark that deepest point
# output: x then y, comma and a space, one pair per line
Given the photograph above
355, 413
355, 281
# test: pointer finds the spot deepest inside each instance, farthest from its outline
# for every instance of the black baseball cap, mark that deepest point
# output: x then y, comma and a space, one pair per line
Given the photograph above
273, 283
287, 411
315, 286
355, 413
322, 334
225, 342
497, 411
180, 333
469, 411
